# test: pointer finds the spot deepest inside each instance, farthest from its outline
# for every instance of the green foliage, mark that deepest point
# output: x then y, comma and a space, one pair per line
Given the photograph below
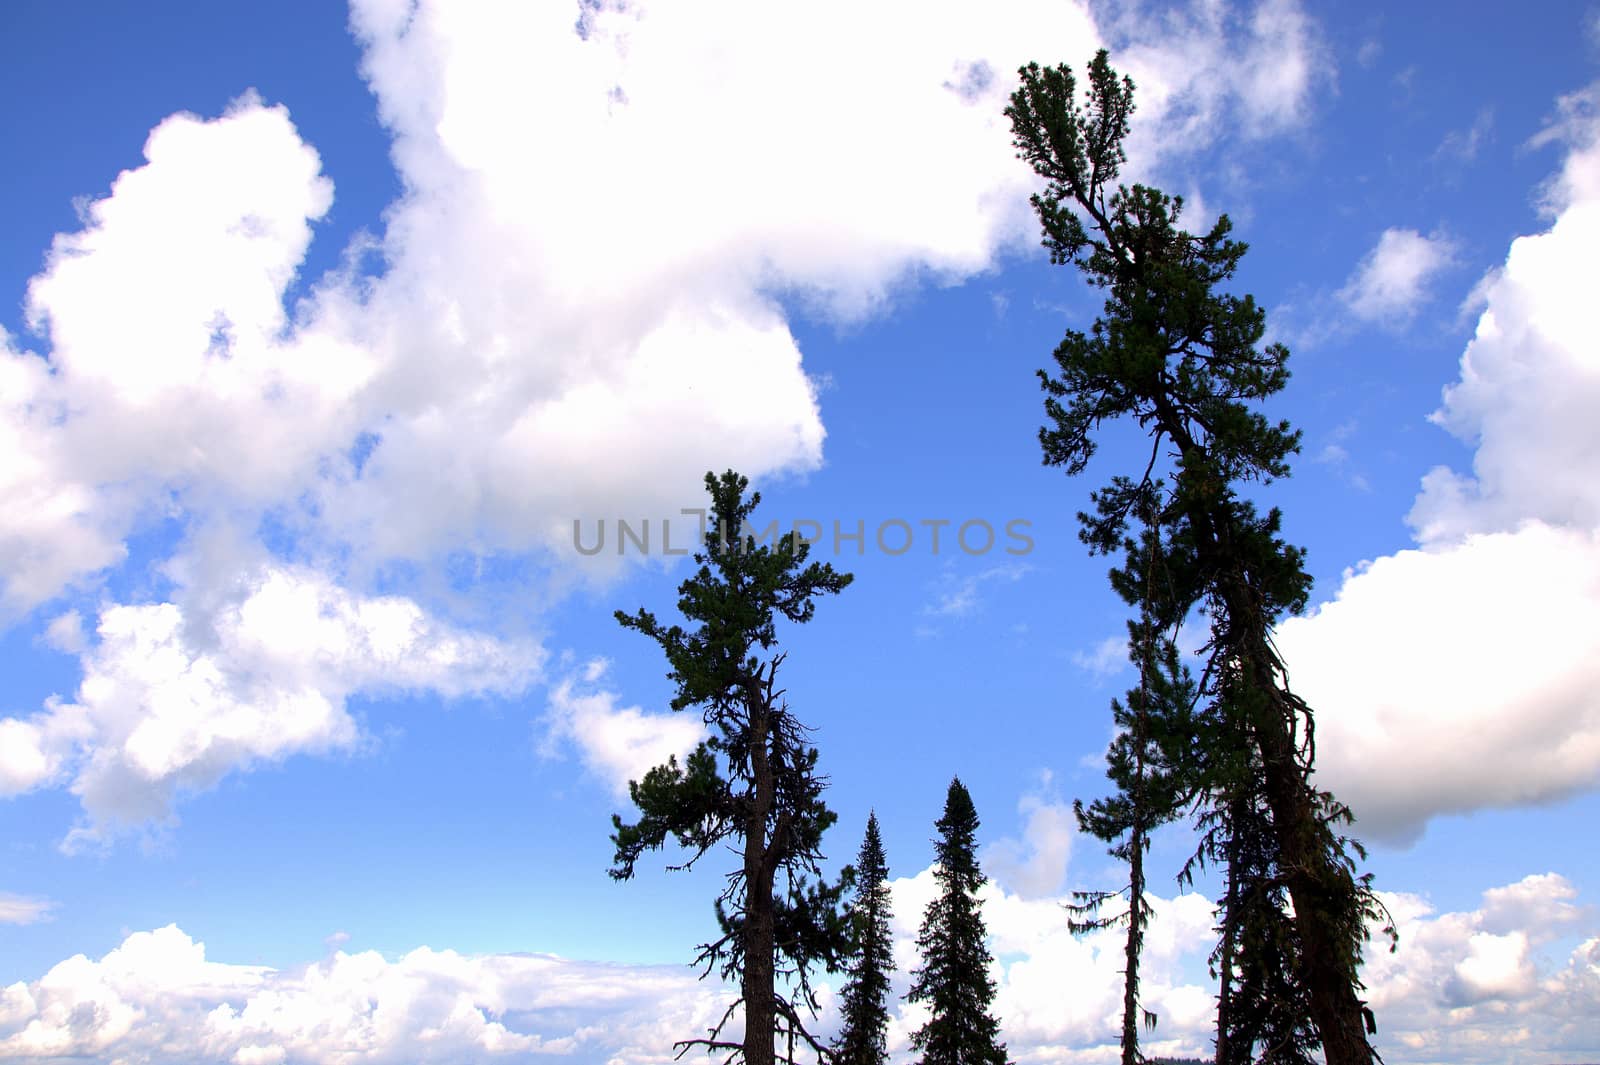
954, 977
1185, 362
863, 1039
753, 783
1149, 764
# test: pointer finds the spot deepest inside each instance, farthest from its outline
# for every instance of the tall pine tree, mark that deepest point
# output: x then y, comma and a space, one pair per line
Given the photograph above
753, 784
954, 977
863, 1040
1182, 361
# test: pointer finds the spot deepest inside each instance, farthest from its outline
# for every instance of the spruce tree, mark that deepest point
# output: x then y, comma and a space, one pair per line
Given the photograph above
753, 784
954, 978
863, 1040
1184, 362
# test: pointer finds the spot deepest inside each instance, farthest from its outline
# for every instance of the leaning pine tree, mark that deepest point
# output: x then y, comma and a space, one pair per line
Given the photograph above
954, 977
753, 784
863, 1039
1184, 362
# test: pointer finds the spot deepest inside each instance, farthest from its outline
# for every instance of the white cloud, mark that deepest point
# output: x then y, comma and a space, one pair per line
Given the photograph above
173, 698
577, 317
1035, 865
617, 743
1462, 146
1260, 72
1391, 282
65, 633
21, 909
1463, 674
958, 596
1453, 679
579, 313
1105, 659
1475, 986
157, 998
167, 368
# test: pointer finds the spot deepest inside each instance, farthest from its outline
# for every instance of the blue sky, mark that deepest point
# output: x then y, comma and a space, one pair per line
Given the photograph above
322, 327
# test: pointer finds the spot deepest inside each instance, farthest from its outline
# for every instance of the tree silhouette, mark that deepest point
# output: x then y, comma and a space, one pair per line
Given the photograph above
752, 784
1182, 361
954, 977
863, 1038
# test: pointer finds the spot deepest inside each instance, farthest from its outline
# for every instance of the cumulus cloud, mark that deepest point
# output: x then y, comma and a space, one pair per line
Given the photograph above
167, 368
1260, 70
618, 744
1035, 865
578, 313
1478, 986
580, 309
1391, 283
1463, 674
157, 997
1474, 986
173, 698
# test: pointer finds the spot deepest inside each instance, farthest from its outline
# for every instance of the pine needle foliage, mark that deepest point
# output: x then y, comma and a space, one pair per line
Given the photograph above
954, 977
1185, 362
863, 1039
752, 784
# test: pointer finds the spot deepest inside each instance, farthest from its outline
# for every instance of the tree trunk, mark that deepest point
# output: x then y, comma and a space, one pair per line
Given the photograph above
1130, 979
1227, 1053
1316, 886
760, 1014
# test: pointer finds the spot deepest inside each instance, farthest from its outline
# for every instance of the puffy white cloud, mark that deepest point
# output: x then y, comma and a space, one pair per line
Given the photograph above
1463, 674
1453, 679
1467, 986
1059, 996
1197, 67
1480, 986
157, 998
578, 313
1035, 865
1392, 281
172, 698
618, 743
168, 366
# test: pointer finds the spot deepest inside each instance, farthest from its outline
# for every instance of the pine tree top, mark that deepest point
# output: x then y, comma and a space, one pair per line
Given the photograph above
958, 830
734, 599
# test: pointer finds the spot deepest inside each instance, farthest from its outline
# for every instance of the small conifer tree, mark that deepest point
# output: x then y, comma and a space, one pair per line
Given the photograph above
864, 1037
954, 978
